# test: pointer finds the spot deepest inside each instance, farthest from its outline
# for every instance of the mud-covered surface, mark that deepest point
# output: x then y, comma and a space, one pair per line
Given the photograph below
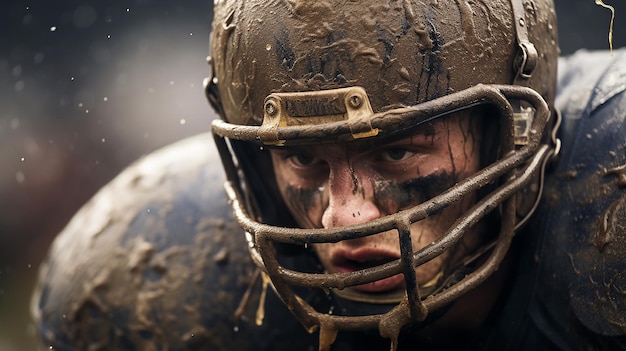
156, 262
402, 52
583, 255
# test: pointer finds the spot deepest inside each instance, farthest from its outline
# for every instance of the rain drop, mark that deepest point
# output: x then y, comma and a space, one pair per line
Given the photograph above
16, 71
38, 57
53, 29
15, 123
19, 177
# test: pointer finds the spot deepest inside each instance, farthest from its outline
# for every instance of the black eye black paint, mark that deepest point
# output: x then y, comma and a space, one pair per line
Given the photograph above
389, 196
300, 200
393, 196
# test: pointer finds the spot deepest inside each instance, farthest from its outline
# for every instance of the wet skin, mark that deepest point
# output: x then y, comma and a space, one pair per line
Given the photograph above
328, 186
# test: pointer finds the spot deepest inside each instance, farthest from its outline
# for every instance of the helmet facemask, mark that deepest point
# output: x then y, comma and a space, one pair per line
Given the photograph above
415, 302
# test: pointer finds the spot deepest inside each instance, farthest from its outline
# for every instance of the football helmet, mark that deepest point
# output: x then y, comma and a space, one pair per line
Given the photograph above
304, 72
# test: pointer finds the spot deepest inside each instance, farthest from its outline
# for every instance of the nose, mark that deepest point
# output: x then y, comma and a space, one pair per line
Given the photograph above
351, 198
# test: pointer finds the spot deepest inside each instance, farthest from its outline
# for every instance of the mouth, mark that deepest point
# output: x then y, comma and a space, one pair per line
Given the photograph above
347, 261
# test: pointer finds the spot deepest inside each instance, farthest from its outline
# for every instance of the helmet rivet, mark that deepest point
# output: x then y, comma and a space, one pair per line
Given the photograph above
270, 108
522, 22
355, 101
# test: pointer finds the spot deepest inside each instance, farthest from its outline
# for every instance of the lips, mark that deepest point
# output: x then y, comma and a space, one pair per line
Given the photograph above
346, 261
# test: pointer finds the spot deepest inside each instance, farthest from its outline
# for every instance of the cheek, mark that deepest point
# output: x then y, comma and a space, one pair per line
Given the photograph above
431, 229
306, 205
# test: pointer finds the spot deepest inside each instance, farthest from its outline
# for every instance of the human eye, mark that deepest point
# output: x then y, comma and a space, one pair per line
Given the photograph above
396, 154
303, 160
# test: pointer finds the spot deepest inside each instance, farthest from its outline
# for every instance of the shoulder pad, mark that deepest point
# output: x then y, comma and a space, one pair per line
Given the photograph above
155, 261
584, 210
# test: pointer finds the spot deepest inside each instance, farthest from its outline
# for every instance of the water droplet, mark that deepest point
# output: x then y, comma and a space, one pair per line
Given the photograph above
103, 140
182, 121
105, 99
20, 177
236, 328
38, 57
53, 29
22, 159
16, 71
19, 85
15, 123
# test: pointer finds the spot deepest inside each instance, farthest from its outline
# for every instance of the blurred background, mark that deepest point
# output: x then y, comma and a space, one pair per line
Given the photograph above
87, 87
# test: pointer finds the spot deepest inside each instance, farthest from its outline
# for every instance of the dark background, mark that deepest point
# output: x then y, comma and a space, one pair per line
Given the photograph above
87, 87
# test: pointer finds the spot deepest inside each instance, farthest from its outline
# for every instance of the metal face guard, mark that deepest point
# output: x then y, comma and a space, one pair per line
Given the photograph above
519, 163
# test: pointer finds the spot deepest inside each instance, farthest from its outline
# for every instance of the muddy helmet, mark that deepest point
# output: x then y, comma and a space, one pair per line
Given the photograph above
307, 71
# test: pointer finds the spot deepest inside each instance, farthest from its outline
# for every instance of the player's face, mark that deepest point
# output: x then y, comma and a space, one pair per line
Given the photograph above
327, 186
